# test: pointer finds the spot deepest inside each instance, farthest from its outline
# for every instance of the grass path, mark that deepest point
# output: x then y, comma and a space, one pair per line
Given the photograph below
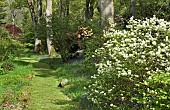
45, 95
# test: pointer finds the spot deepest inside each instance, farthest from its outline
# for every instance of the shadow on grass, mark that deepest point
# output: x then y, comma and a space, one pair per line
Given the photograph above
50, 60
45, 73
61, 102
25, 52
71, 104
74, 72
40, 65
21, 63
56, 68
75, 91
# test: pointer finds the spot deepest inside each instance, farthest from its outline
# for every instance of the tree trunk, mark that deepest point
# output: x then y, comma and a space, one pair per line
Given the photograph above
37, 40
67, 7
60, 8
89, 9
39, 11
106, 11
48, 20
133, 8
13, 20
32, 12
13, 15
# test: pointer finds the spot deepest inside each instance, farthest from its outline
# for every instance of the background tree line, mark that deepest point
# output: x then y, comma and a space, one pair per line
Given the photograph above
37, 17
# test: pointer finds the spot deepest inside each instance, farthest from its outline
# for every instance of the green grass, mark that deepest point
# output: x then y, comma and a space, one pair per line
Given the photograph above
47, 72
77, 79
13, 82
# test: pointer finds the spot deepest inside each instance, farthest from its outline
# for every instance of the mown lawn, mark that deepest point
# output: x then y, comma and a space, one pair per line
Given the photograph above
67, 97
34, 83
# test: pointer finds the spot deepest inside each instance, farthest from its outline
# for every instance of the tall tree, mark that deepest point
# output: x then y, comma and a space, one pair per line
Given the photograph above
106, 11
12, 5
67, 8
59, 5
48, 21
133, 8
89, 9
15, 11
37, 40
32, 12
39, 10
63, 7
34, 21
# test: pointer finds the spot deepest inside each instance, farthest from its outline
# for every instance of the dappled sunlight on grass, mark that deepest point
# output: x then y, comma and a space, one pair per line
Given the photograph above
45, 73
48, 74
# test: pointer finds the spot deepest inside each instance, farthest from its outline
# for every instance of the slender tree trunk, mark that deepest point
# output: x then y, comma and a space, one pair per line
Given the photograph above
60, 8
89, 9
39, 11
133, 8
37, 40
106, 11
32, 12
48, 20
13, 15
34, 21
13, 20
67, 7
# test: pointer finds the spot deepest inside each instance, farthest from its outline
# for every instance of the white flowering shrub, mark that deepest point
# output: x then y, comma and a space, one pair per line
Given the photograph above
134, 72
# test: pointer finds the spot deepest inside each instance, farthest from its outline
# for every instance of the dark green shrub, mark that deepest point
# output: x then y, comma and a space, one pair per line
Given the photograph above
28, 39
4, 44
148, 8
63, 36
8, 48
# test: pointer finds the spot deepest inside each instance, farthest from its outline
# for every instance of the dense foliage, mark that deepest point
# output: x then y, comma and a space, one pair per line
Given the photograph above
8, 47
2, 11
134, 67
64, 39
130, 67
148, 8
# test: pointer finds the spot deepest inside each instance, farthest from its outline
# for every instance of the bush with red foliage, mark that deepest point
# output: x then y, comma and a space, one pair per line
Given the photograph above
12, 29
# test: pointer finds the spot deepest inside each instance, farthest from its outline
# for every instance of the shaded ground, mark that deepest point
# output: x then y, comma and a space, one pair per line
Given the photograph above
45, 93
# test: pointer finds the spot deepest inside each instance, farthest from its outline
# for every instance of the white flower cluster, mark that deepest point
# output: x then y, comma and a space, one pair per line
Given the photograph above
144, 48
147, 41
